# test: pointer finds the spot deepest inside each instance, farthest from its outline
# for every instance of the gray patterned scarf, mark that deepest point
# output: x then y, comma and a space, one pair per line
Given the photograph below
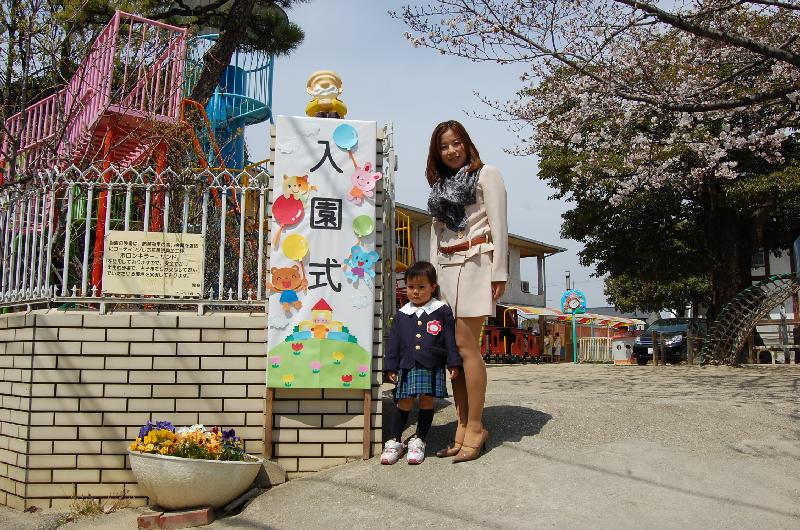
449, 196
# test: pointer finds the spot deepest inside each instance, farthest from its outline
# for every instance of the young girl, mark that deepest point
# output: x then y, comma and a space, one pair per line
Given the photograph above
421, 344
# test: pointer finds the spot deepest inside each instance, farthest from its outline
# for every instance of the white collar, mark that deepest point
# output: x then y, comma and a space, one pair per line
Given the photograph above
432, 305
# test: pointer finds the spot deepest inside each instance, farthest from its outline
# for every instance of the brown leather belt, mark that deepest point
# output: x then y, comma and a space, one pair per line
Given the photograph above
466, 245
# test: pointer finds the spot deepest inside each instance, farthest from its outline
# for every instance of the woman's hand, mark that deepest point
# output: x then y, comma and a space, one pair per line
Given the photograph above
392, 377
453, 373
498, 288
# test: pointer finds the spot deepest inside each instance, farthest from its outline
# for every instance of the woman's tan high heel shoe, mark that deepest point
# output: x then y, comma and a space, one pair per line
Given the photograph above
469, 452
451, 450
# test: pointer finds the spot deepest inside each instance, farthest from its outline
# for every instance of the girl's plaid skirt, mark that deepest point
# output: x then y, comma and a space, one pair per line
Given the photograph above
419, 380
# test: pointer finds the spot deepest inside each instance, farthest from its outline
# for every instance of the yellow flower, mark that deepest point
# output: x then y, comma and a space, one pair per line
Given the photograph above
150, 447
337, 356
288, 378
164, 450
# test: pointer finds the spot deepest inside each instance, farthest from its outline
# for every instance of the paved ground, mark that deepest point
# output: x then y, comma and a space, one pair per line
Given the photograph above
572, 447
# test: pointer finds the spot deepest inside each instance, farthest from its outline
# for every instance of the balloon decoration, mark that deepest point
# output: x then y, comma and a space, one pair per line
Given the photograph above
345, 136
295, 247
363, 225
287, 211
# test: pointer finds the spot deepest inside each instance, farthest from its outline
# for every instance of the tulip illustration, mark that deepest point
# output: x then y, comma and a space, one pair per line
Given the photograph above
346, 379
276, 361
337, 357
316, 366
287, 380
362, 370
297, 348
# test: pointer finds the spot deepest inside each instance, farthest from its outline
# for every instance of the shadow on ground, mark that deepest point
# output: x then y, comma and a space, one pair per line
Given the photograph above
505, 423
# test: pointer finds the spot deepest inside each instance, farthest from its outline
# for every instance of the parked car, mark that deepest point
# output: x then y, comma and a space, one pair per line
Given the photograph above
673, 331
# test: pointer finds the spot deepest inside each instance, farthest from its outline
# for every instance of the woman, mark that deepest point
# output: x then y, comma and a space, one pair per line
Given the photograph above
469, 242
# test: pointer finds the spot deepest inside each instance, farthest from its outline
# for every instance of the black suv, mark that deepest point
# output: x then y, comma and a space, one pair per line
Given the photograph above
673, 331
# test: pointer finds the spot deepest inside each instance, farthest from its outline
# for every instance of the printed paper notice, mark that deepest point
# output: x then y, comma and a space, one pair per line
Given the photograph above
153, 263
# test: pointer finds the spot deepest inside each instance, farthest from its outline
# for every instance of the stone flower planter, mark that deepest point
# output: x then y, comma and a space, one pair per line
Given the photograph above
177, 483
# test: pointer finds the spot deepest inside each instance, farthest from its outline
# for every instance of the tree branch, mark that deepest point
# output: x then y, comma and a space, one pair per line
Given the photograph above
738, 41
183, 10
216, 59
774, 3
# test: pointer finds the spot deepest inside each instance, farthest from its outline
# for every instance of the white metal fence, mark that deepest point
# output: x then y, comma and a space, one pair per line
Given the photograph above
595, 350
48, 227
49, 250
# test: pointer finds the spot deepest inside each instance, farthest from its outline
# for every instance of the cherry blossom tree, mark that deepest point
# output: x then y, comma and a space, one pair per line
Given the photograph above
698, 98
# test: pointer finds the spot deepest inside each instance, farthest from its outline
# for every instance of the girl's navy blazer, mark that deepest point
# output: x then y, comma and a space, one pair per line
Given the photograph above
424, 336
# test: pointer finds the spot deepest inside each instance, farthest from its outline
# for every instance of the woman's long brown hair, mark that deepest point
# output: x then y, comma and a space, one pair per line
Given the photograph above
436, 168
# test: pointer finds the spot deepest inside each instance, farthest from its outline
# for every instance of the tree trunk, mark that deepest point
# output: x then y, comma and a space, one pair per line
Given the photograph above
218, 57
11, 50
728, 242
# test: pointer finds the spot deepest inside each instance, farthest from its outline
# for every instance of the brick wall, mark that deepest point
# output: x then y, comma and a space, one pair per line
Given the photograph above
76, 387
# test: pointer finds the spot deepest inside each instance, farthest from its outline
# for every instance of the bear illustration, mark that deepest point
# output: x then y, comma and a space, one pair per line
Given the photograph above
287, 281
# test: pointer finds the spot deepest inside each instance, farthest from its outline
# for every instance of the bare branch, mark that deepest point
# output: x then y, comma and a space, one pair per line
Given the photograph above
680, 22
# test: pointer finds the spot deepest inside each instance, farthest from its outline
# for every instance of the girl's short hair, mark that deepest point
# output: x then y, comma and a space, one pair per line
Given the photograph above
436, 168
424, 269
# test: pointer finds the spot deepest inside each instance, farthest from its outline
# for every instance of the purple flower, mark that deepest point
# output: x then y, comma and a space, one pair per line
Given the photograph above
229, 435
145, 429
166, 425
149, 426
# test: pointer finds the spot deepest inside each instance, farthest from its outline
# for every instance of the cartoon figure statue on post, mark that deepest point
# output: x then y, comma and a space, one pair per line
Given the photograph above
325, 86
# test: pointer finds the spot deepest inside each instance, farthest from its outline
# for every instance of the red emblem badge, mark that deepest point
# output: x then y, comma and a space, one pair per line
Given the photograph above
434, 327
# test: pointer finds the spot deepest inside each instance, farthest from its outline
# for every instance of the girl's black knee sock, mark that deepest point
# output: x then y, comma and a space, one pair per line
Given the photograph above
424, 423
399, 422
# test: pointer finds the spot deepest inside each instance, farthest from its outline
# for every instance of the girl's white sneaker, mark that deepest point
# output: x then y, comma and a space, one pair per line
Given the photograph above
416, 451
392, 451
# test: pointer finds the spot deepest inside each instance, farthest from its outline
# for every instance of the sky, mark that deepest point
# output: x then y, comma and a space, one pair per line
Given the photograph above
387, 80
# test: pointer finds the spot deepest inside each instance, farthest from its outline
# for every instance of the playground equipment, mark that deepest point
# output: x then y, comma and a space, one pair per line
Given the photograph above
243, 97
739, 317
129, 81
403, 254
404, 248
110, 116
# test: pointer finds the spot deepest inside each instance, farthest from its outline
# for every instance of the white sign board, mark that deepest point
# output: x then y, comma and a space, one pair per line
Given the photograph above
323, 257
153, 263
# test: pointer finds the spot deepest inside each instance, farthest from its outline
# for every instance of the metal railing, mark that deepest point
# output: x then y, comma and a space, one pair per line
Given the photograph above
47, 231
134, 65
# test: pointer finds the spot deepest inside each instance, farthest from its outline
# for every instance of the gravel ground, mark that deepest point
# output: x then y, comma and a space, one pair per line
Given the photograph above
587, 446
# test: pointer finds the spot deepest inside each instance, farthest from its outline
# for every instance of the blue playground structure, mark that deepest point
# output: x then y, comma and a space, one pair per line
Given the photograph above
243, 97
